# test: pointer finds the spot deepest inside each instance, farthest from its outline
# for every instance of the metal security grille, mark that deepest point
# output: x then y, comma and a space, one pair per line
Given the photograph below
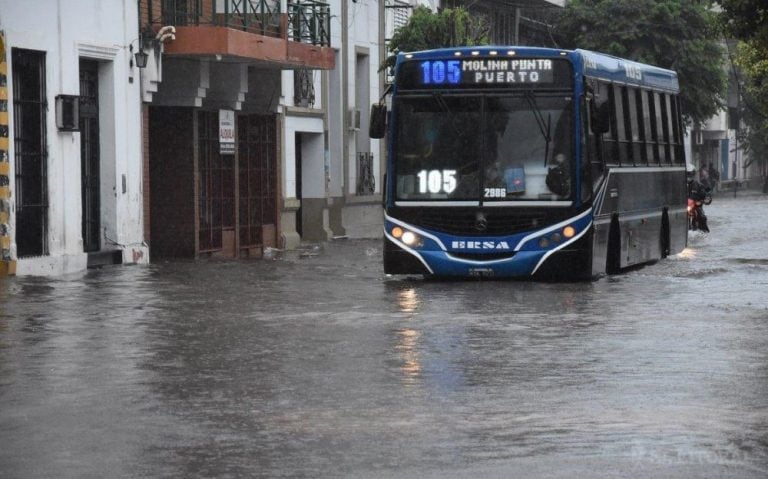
366, 181
181, 12
31, 158
89, 154
303, 87
217, 184
258, 178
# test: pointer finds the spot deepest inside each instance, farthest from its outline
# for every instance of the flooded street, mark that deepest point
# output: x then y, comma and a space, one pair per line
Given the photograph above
315, 364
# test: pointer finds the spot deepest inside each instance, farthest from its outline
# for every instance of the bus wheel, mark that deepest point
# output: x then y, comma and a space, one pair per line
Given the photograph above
613, 261
665, 240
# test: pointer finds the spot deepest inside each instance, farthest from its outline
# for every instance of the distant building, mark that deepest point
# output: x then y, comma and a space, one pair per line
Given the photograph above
715, 141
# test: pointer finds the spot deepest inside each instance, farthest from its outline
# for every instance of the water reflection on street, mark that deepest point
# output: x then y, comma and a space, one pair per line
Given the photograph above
320, 366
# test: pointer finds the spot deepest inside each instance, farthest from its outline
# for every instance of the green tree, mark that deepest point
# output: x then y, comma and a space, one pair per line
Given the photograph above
746, 20
426, 30
680, 35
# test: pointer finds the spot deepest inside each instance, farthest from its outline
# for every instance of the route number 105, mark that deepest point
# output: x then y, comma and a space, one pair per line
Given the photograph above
436, 181
439, 72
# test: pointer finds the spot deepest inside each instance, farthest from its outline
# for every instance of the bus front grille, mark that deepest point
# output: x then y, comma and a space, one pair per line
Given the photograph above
477, 222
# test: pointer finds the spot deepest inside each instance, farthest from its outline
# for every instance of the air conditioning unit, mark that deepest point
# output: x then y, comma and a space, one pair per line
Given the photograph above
353, 120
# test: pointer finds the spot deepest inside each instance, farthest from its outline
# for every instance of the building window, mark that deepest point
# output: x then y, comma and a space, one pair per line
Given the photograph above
31, 159
303, 88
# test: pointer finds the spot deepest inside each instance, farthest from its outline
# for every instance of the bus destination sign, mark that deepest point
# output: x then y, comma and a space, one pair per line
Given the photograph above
482, 72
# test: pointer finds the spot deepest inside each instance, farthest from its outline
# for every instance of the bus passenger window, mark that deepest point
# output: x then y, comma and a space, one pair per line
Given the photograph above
660, 114
623, 136
634, 111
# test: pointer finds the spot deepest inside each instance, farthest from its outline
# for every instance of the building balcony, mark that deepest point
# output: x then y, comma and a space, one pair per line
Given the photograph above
255, 31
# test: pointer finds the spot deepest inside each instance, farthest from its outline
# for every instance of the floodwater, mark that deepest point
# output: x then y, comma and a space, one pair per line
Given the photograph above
315, 364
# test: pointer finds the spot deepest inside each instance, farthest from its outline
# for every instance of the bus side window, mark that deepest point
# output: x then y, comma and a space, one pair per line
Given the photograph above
600, 108
592, 164
623, 137
633, 112
661, 140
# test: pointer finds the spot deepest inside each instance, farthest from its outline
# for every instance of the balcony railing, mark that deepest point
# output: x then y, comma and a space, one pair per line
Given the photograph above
307, 21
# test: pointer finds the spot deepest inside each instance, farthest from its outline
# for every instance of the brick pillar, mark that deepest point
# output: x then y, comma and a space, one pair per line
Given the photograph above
7, 265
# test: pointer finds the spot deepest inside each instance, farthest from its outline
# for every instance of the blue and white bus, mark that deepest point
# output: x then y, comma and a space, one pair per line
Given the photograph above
522, 162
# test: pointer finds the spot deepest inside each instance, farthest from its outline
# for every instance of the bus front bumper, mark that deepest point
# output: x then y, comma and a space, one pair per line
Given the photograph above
545, 254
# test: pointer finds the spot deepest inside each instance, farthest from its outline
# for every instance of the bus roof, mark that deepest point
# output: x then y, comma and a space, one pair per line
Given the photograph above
607, 67
586, 62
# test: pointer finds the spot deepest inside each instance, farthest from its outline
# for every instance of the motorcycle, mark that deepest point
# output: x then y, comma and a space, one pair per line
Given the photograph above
697, 220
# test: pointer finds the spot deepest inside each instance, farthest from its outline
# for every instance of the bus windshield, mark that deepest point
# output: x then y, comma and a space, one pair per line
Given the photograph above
483, 148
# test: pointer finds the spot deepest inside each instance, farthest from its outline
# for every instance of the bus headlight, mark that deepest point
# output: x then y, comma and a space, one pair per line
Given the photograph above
557, 237
410, 239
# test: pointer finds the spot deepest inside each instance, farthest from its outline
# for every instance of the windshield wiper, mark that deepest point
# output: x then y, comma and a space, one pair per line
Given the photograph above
544, 127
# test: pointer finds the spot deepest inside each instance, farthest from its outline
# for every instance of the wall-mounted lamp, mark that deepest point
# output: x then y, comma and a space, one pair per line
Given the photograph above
149, 39
140, 57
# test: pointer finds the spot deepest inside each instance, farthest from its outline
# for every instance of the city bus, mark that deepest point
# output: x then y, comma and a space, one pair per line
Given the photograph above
526, 162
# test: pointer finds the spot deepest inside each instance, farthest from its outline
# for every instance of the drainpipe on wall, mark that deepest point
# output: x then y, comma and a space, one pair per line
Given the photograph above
344, 95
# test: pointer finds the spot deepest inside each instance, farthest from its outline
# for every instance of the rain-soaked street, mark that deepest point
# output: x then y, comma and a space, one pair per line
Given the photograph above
317, 365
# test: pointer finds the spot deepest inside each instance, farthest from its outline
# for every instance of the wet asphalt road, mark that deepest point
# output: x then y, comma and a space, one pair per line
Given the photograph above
317, 365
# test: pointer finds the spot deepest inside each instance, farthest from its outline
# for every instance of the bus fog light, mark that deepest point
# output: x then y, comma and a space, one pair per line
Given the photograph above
543, 242
556, 237
397, 232
569, 231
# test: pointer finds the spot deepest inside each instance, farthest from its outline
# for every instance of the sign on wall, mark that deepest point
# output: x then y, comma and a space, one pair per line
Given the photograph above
226, 132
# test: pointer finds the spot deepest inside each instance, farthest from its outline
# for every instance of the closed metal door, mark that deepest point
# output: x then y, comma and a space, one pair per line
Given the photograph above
89, 154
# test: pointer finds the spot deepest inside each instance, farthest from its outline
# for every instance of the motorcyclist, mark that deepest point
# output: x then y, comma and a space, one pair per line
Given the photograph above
700, 194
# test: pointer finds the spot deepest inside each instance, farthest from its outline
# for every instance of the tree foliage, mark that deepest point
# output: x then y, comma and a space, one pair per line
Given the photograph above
680, 35
747, 22
426, 30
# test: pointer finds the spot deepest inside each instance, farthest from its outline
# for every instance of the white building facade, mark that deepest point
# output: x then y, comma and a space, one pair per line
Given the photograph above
331, 168
73, 144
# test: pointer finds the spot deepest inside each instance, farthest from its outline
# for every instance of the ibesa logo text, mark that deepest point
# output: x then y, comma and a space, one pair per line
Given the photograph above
503, 245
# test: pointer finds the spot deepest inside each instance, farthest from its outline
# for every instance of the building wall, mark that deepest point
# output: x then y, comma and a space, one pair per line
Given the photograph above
88, 29
358, 32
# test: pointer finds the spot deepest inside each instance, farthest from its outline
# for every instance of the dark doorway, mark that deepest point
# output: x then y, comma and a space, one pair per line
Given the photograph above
89, 154
31, 172
299, 228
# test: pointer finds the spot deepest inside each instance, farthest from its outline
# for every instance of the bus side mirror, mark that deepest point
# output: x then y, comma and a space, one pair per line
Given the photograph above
378, 124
